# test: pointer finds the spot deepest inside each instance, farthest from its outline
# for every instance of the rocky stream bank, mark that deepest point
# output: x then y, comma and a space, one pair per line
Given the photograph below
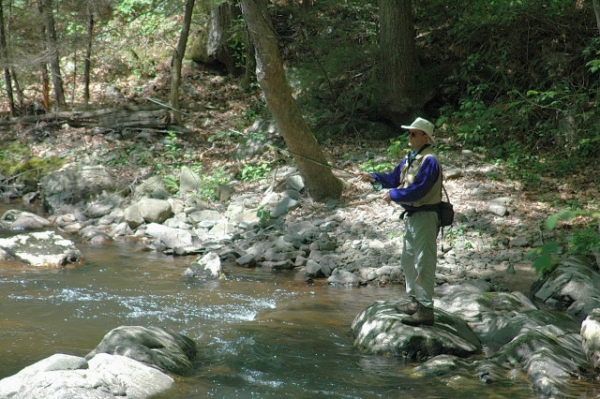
496, 320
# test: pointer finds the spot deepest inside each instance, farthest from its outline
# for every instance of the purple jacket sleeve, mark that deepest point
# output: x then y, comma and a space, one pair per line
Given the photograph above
424, 181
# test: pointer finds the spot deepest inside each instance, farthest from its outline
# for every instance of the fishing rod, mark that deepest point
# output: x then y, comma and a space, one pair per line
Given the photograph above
326, 165
283, 151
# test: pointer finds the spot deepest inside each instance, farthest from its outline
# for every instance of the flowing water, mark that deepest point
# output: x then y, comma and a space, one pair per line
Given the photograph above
260, 334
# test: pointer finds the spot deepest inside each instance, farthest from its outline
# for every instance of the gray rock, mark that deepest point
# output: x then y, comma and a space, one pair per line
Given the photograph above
247, 260
170, 237
498, 209
590, 333
149, 186
205, 215
343, 277
520, 242
207, 267
133, 216
379, 329
222, 230
548, 355
283, 206
156, 347
103, 377
25, 220
72, 184
41, 249
571, 285
154, 210
188, 180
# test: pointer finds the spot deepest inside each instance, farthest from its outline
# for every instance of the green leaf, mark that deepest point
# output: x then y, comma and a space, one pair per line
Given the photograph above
562, 215
543, 263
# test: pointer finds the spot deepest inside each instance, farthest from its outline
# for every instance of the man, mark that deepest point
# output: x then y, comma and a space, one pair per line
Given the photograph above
416, 184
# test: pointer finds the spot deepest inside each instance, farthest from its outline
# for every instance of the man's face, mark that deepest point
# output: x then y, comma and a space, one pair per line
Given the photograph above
417, 138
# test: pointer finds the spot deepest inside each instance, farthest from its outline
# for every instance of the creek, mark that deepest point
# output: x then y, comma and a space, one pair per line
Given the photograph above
260, 334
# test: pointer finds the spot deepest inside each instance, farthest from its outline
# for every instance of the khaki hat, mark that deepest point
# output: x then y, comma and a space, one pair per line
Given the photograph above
423, 125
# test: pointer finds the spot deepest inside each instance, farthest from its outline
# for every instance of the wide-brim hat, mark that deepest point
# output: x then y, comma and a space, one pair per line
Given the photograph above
424, 125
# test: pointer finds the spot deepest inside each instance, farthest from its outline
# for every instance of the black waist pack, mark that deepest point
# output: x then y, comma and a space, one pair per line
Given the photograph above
446, 214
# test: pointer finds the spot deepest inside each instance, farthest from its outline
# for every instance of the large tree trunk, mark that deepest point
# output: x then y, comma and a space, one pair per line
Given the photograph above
319, 180
399, 61
178, 60
52, 47
6, 68
212, 45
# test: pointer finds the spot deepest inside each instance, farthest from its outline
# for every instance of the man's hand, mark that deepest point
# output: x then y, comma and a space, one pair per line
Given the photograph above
366, 177
386, 197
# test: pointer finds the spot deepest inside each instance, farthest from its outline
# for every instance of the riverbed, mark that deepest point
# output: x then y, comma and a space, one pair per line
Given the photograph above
260, 333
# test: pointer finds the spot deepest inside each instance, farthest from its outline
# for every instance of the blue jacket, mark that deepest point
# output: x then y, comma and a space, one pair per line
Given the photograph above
424, 181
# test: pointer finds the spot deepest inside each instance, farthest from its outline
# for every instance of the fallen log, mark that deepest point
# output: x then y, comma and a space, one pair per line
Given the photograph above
128, 116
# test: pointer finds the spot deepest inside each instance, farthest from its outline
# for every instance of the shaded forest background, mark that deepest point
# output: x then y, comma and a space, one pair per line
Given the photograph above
515, 81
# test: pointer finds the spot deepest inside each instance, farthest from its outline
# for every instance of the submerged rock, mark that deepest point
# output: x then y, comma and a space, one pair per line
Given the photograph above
40, 249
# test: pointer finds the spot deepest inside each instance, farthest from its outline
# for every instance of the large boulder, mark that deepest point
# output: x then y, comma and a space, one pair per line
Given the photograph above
571, 286
548, 355
73, 184
40, 249
378, 329
103, 377
153, 346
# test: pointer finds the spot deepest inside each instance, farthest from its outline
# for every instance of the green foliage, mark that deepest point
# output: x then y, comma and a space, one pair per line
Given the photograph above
171, 183
172, 147
210, 183
376, 166
252, 173
521, 81
581, 242
544, 257
585, 240
18, 163
237, 41
263, 214
398, 146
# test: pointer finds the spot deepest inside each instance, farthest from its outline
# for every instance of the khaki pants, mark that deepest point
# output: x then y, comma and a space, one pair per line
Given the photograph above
419, 255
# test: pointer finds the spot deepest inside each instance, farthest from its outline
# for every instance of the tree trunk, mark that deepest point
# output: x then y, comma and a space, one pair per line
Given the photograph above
212, 44
17, 88
596, 4
4, 58
222, 19
319, 180
178, 60
398, 60
52, 47
87, 61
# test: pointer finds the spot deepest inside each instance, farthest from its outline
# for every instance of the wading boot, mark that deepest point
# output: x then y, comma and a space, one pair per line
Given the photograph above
408, 308
422, 317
